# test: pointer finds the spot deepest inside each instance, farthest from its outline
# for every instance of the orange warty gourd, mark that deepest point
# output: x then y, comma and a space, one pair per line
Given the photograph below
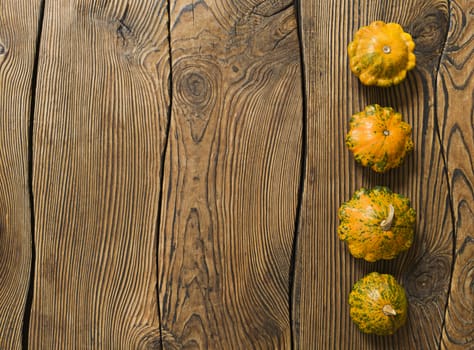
378, 304
379, 138
377, 224
381, 54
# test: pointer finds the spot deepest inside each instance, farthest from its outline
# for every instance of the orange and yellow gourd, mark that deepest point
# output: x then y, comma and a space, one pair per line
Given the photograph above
378, 304
379, 138
381, 54
377, 224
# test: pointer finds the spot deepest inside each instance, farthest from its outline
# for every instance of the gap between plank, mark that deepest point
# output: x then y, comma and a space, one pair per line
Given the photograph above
162, 169
301, 186
446, 173
29, 296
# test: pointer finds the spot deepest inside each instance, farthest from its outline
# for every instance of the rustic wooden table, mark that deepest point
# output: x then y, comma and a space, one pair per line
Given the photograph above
170, 174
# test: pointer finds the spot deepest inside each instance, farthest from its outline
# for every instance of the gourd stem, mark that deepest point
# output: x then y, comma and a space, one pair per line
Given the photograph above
388, 310
387, 223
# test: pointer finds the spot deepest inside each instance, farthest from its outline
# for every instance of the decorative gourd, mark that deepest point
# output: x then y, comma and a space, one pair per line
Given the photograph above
381, 54
377, 224
379, 138
378, 304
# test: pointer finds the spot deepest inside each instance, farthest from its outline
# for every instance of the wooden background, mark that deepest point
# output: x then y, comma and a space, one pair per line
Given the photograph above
170, 173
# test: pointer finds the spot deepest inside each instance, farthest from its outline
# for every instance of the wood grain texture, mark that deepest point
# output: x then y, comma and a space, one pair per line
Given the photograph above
456, 118
18, 28
231, 175
215, 92
99, 134
17, 51
325, 272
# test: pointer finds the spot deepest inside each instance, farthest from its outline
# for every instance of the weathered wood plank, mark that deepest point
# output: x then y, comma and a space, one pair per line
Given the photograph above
18, 28
231, 175
99, 134
325, 272
455, 109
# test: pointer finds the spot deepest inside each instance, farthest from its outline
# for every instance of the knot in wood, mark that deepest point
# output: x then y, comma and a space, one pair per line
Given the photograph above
3, 50
428, 279
429, 31
195, 87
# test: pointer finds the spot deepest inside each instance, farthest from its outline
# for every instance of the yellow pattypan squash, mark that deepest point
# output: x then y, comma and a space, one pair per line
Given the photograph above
378, 304
377, 224
379, 138
381, 54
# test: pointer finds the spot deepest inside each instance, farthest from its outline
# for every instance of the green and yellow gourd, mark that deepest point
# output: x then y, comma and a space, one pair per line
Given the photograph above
381, 54
376, 224
379, 138
378, 304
